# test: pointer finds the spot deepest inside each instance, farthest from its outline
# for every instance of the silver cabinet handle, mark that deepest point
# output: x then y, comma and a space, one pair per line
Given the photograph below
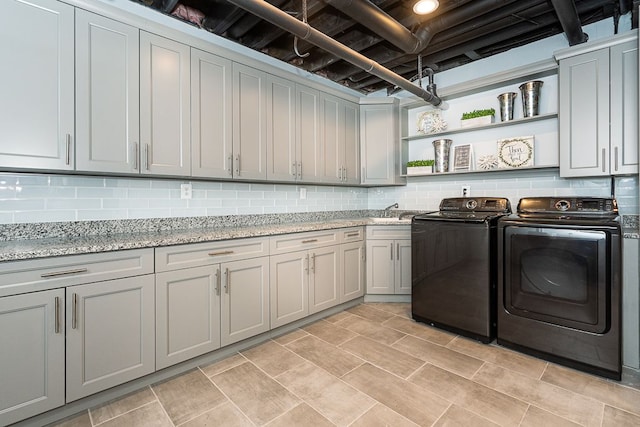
356, 234
227, 279
294, 169
146, 156
344, 174
306, 264
68, 148
238, 165
230, 160
392, 252
300, 170
310, 241
220, 253
218, 281
604, 159
397, 251
57, 314
74, 312
313, 263
63, 273
615, 156
136, 156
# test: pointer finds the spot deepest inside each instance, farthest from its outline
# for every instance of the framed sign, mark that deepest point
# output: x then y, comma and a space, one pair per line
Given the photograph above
462, 157
515, 152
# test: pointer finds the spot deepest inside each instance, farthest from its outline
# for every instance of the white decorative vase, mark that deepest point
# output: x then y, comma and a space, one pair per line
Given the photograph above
476, 121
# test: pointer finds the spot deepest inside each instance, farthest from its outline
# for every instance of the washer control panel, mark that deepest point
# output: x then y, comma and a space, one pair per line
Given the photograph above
475, 204
587, 205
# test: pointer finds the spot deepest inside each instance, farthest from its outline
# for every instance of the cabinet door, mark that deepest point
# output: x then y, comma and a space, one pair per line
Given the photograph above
110, 334
624, 108
352, 275
187, 314
107, 95
331, 139
36, 83
324, 283
308, 130
245, 299
351, 126
249, 123
211, 117
289, 287
403, 267
380, 267
584, 114
281, 130
31, 354
165, 125
379, 144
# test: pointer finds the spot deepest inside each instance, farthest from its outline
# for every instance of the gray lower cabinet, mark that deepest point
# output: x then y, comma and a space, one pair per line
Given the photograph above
289, 287
209, 295
187, 314
110, 334
32, 348
244, 310
389, 260
352, 271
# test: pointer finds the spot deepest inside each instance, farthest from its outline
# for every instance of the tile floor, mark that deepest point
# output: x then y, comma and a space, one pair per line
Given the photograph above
373, 366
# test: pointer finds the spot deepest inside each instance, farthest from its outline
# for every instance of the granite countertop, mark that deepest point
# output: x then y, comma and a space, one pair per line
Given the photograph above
56, 239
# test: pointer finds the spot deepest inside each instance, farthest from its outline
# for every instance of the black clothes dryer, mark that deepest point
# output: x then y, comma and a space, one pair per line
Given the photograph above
559, 275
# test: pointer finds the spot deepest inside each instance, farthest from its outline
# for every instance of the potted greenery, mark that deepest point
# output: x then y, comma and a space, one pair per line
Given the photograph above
419, 167
477, 117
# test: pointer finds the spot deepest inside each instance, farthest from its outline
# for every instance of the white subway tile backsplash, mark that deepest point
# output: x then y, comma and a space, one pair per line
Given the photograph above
47, 198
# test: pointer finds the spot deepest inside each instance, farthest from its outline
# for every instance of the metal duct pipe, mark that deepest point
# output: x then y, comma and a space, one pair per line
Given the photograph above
570, 21
304, 31
371, 16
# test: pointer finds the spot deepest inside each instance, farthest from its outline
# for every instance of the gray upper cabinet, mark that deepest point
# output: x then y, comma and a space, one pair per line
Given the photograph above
249, 160
211, 118
599, 111
37, 105
165, 124
107, 95
282, 144
32, 354
351, 127
380, 143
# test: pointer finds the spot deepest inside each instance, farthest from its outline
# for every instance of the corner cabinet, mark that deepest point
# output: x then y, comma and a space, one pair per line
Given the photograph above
37, 106
389, 259
599, 107
380, 142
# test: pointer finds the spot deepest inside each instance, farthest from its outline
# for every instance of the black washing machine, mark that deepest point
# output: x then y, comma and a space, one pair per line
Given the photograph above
453, 265
559, 275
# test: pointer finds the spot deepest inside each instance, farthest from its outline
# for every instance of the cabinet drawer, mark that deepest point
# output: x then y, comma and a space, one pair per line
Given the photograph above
199, 254
389, 232
354, 234
299, 241
19, 277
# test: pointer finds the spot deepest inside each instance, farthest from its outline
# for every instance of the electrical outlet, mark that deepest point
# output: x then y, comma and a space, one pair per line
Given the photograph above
466, 191
303, 193
186, 191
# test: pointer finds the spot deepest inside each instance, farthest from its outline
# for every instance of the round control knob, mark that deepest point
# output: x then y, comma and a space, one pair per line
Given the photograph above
562, 205
472, 204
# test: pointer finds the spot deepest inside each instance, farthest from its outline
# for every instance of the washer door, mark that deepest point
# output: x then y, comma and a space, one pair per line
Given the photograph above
558, 275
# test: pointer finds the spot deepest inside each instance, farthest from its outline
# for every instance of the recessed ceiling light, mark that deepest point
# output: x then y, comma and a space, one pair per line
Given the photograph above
422, 7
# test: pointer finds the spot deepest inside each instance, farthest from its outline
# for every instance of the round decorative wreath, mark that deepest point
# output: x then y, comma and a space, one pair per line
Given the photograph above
509, 161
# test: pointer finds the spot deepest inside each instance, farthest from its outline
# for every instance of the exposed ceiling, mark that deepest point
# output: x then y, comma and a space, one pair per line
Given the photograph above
458, 32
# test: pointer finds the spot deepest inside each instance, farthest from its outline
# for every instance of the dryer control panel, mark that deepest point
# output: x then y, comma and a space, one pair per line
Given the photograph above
559, 205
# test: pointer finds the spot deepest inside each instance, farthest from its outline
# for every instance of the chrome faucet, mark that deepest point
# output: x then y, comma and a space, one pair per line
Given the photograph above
388, 208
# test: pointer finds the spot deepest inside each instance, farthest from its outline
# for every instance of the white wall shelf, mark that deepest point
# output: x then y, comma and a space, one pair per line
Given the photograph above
476, 128
482, 171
